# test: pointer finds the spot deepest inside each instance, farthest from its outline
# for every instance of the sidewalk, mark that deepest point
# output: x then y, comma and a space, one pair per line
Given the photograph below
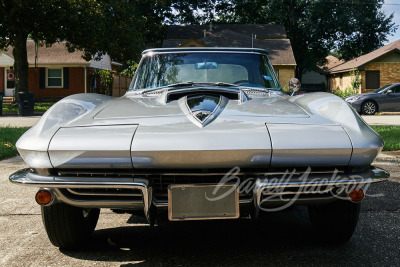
394, 154
18, 121
384, 120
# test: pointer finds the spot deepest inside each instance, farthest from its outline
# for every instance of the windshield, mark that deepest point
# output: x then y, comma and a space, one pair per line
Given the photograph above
379, 90
251, 70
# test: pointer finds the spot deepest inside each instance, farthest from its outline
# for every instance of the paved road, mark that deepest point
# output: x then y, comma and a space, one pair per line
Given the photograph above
280, 238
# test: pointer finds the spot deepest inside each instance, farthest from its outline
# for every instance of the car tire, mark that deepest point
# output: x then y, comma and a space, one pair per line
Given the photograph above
369, 108
334, 222
69, 227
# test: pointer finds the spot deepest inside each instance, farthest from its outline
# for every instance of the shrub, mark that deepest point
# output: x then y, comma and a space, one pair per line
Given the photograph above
356, 79
347, 92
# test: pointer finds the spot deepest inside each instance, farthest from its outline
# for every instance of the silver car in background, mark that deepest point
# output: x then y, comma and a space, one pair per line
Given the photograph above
386, 98
203, 133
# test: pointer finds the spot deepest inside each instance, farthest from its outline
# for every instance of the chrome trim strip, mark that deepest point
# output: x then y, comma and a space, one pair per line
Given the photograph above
152, 53
137, 173
291, 192
164, 204
100, 203
28, 178
88, 193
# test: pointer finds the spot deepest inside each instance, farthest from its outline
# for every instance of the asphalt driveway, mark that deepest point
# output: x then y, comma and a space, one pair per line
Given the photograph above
283, 238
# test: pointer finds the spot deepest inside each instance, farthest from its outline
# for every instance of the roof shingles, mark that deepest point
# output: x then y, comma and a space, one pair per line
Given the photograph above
262, 31
56, 54
237, 35
364, 59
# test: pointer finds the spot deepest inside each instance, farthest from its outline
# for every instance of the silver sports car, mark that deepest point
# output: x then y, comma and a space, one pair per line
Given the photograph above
203, 133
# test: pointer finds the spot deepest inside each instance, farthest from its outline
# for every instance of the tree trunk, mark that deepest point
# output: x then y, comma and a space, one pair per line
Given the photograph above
20, 64
299, 73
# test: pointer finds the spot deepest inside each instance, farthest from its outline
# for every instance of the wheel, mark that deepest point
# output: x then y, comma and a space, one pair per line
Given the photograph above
335, 222
369, 108
69, 227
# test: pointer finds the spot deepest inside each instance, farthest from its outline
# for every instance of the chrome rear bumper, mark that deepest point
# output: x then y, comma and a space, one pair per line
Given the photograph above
273, 189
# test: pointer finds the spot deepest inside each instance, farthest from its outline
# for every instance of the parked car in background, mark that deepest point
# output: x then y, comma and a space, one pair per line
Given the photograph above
386, 98
202, 134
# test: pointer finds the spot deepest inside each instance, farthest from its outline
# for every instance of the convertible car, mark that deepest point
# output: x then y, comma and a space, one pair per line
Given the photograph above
202, 134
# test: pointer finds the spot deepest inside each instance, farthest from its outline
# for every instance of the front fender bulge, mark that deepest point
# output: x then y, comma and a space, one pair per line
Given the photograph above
34, 143
313, 145
366, 143
92, 147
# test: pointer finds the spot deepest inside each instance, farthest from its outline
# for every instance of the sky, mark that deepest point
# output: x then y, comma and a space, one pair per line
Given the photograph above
393, 6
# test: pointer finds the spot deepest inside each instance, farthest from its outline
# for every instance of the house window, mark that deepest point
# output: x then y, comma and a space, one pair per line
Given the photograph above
54, 78
341, 79
372, 79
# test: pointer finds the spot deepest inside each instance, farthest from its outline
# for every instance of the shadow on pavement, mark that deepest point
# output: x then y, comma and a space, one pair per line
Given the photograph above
277, 238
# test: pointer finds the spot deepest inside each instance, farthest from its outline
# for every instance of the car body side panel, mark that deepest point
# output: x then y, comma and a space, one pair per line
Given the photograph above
393, 102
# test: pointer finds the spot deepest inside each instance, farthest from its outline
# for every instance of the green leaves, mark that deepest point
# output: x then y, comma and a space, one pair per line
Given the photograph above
121, 28
316, 27
106, 78
356, 79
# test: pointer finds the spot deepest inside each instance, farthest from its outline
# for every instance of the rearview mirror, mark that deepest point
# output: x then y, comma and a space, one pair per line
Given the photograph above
389, 92
206, 65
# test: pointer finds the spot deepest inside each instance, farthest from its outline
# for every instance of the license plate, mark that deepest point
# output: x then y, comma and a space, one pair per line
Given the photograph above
202, 202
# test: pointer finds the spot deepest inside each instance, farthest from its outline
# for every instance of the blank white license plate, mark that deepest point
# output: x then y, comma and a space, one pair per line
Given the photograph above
202, 202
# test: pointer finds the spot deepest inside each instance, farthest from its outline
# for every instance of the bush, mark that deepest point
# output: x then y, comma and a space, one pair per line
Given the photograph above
347, 92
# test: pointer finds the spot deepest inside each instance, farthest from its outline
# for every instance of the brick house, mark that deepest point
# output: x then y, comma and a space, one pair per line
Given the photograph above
378, 68
57, 73
271, 37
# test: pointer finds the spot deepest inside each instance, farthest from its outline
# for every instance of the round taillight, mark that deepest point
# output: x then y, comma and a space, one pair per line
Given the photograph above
43, 197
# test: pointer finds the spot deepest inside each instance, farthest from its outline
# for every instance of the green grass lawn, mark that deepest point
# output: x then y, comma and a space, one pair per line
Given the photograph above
391, 136
8, 138
13, 108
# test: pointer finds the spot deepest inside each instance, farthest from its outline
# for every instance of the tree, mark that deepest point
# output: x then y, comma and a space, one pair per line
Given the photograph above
366, 29
18, 19
121, 28
198, 11
316, 27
